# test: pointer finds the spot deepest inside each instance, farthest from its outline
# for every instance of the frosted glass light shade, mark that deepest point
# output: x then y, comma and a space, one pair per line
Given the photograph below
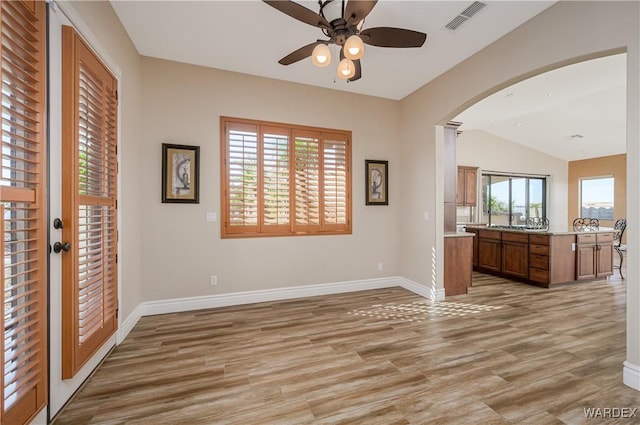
321, 55
353, 47
346, 69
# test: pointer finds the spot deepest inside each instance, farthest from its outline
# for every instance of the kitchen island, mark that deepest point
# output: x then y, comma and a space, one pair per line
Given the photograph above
543, 257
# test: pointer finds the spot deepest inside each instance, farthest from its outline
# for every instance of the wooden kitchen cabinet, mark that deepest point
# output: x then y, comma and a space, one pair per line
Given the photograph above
515, 254
467, 185
489, 251
543, 259
594, 256
457, 264
474, 246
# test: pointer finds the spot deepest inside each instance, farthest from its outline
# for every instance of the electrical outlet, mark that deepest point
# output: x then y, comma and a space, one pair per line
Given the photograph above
380, 266
214, 280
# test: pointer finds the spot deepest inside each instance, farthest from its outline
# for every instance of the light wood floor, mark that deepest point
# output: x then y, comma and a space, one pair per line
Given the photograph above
507, 353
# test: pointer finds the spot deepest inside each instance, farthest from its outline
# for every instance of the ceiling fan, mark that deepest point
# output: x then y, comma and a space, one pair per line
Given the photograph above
342, 21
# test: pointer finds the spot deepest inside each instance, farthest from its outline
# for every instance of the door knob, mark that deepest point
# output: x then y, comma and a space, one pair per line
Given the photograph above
57, 223
57, 247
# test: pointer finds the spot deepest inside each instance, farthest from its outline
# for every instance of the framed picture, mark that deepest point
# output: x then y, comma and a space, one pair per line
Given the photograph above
180, 173
377, 179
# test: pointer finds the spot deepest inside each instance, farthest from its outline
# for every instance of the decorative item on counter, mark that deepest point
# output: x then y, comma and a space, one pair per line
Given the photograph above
538, 223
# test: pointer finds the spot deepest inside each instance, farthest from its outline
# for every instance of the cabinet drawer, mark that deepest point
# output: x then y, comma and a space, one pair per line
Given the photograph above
604, 237
489, 234
538, 275
539, 239
539, 249
515, 237
539, 261
586, 239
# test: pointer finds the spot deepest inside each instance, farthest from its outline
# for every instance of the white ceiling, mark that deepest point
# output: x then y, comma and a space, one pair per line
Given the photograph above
251, 36
549, 112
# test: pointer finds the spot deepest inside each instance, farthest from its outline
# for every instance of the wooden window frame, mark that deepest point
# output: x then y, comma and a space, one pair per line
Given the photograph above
324, 137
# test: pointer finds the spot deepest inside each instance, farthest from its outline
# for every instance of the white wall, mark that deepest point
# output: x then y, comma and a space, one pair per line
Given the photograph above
565, 33
183, 104
489, 152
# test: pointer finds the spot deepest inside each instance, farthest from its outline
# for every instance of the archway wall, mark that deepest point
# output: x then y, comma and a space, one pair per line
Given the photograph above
565, 33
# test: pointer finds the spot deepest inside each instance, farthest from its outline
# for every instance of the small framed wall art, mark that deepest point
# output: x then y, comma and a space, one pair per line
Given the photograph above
180, 173
377, 179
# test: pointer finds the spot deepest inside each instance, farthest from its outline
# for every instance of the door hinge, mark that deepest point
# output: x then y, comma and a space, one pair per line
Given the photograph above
117, 312
116, 258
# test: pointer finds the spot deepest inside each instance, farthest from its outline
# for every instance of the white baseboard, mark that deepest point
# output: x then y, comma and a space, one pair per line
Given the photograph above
432, 293
175, 305
631, 375
127, 324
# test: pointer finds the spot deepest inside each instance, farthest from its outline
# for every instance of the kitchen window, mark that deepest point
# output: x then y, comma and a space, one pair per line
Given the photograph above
512, 199
596, 197
282, 179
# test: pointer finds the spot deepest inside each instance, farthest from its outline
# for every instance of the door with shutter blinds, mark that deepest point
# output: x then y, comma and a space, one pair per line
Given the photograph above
22, 211
89, 203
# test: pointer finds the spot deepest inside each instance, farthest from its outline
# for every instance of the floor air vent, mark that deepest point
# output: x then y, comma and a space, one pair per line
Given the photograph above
465, 15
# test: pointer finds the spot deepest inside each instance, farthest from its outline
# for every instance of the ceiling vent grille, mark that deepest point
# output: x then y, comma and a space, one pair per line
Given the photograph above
465, 15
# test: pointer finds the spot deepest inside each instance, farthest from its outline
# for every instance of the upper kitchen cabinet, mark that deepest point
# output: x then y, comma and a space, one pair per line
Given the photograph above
466, 194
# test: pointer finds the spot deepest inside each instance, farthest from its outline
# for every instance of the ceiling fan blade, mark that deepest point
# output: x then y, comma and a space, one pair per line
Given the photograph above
357, 10
393, 37
297, 55
298, 12
358, 71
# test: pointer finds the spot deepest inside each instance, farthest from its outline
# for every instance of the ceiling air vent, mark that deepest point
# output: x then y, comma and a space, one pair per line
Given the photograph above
465, 15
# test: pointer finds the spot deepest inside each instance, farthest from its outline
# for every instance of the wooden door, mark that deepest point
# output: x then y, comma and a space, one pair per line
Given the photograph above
605, 260
470, 187
585, 261
489, 255
515, 260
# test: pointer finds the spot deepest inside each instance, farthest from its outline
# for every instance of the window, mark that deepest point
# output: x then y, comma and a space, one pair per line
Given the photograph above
280, 179
596, 198
22, 211
512, 199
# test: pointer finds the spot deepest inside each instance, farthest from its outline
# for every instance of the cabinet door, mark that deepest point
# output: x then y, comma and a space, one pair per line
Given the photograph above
489, 255
515, 259
470, 187
586, 261
605, 260
460, 193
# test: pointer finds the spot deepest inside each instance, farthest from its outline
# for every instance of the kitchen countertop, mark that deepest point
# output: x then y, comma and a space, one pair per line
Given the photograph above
553, 230
459, 234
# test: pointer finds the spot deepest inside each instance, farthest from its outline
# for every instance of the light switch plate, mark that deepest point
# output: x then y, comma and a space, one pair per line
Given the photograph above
211, 216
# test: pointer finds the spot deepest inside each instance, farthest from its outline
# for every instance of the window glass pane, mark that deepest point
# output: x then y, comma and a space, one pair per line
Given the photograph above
518, 201
536, 198
499, 200
596, 198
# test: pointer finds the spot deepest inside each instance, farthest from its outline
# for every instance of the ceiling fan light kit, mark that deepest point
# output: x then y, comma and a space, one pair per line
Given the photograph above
321, 55
346, 69
354, 47
342, 21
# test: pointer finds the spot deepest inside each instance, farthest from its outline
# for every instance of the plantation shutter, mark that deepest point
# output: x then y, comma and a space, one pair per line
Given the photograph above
307, 171
280, 179
241, 156
22, 211
335, 181
275, 176
89, 199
